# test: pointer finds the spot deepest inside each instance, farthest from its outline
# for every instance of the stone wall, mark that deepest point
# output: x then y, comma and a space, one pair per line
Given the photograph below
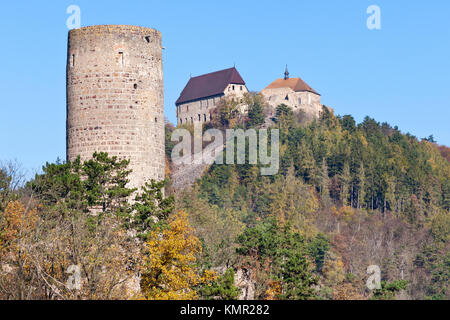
306, 101
200, 110
115, 99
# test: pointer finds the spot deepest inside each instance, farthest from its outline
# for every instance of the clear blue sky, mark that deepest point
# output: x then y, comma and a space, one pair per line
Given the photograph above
399, 74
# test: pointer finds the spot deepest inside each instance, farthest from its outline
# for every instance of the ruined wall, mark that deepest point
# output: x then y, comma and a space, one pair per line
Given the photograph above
115, 99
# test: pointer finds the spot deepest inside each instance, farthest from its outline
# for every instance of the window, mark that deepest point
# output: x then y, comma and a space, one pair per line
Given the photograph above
135, 86
72, 60
192, 120
156, 120
286, 98
199, 118
147, 38
120, 58
187, 108
207, 103
233, 88
204, 116
241, 88
181, 121
299, 100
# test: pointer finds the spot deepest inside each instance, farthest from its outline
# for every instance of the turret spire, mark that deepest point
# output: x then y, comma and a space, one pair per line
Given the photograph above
286, 73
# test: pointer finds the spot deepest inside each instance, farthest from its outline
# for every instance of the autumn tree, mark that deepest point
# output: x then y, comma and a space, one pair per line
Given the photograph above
16, 235
169, 270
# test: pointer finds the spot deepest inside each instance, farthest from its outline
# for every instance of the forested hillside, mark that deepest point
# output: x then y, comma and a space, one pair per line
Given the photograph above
347, 196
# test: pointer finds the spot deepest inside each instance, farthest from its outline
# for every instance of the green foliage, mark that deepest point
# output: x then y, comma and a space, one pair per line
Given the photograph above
169, 144
98, 182
5, 190
222, 289
255, 112
284, 117
150, 208
286, 253
389, 290
435, 261
340, 184
318, 248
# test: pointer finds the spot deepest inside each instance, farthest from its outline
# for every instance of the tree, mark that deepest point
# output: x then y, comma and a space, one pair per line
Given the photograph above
284, 117
150, 208
16, 232
223, 288
5, 181
255, 111
325, 184
345, 180
70, 234
278, 255
361, 187
169, 270
389, 290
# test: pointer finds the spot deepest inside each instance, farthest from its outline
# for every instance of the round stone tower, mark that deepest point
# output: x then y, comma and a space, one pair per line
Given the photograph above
115, 98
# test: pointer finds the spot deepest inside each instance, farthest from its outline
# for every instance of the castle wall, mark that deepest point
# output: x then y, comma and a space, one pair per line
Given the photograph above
115, 99
189, 112
306, 101
199, 110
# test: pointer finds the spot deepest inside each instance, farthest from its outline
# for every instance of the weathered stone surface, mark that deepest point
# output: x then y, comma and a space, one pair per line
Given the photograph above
115, 97
308, 102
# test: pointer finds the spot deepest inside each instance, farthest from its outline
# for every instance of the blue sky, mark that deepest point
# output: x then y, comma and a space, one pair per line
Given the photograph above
399, 74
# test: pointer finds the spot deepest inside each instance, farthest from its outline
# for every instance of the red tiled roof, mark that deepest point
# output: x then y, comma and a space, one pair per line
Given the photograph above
210, 84
295, 84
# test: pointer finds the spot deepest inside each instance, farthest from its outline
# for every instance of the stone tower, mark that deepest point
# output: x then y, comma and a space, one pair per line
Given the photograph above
115, 98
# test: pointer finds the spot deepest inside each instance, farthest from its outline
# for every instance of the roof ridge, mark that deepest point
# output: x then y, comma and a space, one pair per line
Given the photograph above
210, 73
209, 84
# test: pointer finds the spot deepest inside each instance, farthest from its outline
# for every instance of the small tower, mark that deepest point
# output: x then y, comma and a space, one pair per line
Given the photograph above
286, 73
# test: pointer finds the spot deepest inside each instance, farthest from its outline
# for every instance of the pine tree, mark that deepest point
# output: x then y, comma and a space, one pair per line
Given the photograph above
345, 180
361, 186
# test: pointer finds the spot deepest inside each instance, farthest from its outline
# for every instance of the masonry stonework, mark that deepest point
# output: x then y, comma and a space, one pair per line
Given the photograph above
115, 99
305, 101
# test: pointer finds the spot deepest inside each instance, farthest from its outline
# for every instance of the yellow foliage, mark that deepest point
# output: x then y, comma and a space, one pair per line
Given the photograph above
346, 291
17, 222
169, 266
333, 269
347, 212
273, 291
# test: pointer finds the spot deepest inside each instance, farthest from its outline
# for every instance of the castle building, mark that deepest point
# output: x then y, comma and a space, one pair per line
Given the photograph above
115, 97
202, 93
293, 92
